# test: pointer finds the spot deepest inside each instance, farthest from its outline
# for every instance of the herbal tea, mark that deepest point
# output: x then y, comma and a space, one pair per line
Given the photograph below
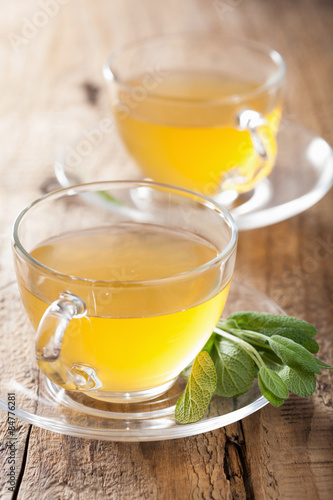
185, 134
139, 336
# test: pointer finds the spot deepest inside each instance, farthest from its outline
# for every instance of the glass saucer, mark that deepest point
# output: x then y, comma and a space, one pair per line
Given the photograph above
303, 173
41, 403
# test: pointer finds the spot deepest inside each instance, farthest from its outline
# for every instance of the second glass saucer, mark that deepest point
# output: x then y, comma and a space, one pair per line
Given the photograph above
303, 173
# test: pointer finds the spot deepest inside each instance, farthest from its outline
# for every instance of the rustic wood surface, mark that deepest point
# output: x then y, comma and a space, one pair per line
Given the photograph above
50, 85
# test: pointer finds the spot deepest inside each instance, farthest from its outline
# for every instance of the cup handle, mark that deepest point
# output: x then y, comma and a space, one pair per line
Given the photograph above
251, 121
49, 338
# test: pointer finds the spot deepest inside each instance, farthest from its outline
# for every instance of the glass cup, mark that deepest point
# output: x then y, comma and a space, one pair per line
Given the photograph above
123, 282
198, 111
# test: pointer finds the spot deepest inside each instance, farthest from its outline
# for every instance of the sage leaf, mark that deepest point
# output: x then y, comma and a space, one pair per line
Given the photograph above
234, 368
106, 196
299, 382
272, 382
293, 354
265, 323
271, 360
208, 347
292, 328
310, 345
193, 403
296, 335
278, 349
272, 398
321, 364
210, 343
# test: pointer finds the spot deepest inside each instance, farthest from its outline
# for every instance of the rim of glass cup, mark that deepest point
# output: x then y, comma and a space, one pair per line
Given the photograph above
111, 76
76, 189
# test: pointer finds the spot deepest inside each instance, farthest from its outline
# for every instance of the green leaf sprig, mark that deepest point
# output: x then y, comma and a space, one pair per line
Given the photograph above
275, 348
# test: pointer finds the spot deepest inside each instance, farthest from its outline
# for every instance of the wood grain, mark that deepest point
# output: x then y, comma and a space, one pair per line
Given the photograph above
51, 87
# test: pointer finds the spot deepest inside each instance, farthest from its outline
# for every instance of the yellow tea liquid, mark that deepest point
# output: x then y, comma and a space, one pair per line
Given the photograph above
184, 133
139, 334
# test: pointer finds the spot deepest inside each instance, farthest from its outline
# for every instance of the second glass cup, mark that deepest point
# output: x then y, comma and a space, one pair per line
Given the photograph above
198, 111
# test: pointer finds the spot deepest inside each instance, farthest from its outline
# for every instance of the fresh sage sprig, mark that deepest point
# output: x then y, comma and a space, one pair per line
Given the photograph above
276, 349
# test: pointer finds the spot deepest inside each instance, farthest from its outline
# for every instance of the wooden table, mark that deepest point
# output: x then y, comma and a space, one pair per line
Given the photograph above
50, 83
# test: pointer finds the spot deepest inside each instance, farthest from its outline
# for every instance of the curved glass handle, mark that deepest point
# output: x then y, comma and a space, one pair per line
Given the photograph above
251, 121
49, 339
